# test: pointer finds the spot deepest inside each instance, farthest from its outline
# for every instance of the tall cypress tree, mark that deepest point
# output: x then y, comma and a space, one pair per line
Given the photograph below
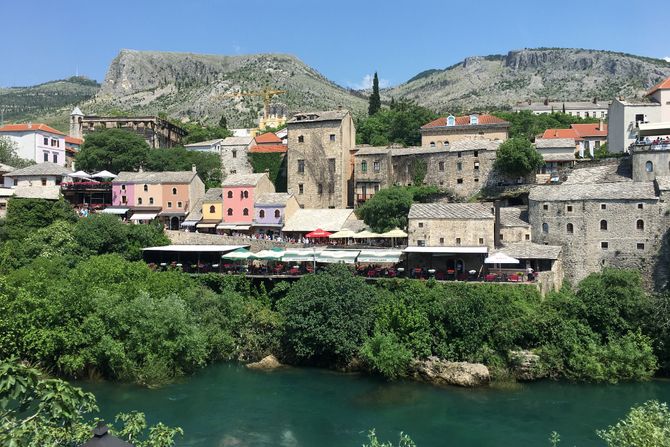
375, 100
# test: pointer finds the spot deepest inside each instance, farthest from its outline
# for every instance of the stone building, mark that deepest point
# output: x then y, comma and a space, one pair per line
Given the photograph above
157, 132
464, 167
514, 226
558, 154
446, 130
319, 162
584, 109
615, 224
234, 159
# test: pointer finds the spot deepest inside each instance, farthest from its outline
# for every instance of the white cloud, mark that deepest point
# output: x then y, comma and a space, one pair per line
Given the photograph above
366, 83
667, 58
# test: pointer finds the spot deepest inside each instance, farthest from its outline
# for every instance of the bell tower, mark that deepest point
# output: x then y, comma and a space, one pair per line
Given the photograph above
76, 118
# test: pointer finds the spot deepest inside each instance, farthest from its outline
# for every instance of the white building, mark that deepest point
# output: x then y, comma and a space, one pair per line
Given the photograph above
40, 180
37, 142
582, 109
206, 146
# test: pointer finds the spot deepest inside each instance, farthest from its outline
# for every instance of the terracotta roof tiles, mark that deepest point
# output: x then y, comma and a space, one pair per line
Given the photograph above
663, 85
465, 121
29, 128
268, 148
267, 138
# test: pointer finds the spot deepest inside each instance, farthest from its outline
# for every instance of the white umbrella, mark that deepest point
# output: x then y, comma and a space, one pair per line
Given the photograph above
342, 234
396, 232
79, 174
500, 258
103, 174
365, 234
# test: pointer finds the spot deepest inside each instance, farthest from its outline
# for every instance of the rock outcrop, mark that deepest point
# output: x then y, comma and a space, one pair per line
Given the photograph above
266, 363
441, 372
526, 365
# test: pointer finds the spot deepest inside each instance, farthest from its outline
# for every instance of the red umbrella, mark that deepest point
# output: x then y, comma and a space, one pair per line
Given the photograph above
318, 234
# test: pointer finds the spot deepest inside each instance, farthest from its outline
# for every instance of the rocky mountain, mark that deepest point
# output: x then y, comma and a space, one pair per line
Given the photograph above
500, 81
23, 103
198, 86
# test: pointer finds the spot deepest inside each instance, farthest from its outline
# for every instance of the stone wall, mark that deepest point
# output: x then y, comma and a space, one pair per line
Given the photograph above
234, 160
586, 247
451, 232
437, 136
187, 238
659, 164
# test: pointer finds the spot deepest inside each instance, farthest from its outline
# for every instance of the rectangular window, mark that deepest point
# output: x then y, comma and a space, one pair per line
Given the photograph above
459, 166
481, 241
301, 166
44, 181
604, 245
124, 199
123, 187
420, 224
441, 241
421, 243
640, 246
331, 165
458, 241
459, 181
46, 141
459, 154
319, 189
364, 166
55, 158
234, 153
639, 117
640, 206
545, 206
301, 139
151, 200
46, 157
376, 166
476, 154
501, 236
332, 137
527, 237
476, 166
179, 205
603, 206
440, 166
476, 180
169, 204
301, 188
376, 188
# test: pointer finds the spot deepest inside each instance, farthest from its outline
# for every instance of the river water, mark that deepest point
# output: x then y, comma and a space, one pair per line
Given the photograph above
227, 405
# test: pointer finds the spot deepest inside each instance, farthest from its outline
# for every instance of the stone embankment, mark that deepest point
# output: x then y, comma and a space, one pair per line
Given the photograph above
266, 363
187, 238
441, 372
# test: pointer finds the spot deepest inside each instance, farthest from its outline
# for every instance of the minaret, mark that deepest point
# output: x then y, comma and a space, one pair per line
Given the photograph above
76, 118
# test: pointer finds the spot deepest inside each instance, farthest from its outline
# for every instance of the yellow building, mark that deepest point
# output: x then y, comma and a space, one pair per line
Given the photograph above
212, 210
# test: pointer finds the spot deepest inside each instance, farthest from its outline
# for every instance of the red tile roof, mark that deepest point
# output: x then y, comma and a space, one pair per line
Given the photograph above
561, 133
33, 127
268, 148
590, 130
465, 121
663, 85
73, 140
267, 138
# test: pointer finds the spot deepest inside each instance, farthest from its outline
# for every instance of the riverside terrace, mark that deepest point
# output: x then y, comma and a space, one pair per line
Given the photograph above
497, 266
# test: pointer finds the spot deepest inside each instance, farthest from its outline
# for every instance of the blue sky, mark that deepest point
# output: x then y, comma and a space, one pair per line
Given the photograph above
346, 42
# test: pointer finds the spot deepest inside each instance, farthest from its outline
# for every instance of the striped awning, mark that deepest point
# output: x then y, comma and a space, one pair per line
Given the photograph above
338, 256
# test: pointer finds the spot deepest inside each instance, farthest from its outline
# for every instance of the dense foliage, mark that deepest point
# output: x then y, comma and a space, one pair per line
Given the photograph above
526, 124
37, 411
9, 156
375, 102
198, 133
398, 124
274, 163
646, 425
518, 157
208, 164
389, 207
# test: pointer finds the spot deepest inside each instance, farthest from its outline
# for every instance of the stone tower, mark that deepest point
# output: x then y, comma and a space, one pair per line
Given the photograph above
76, 118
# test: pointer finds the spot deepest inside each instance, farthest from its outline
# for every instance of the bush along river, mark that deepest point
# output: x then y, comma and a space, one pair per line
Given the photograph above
229, 405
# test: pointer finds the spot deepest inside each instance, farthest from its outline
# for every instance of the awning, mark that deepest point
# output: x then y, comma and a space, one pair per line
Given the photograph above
206, 225
143, 216
173, 213
365, 234
233, 227
189, 223
269, 255
338, 256
103, 174
115, 210
500, 258
394, 233
293, 255
239, 254
342, 234
447, 250
654, 129
382, 256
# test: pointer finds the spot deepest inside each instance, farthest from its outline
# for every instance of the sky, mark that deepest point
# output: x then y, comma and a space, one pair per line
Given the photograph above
345, 40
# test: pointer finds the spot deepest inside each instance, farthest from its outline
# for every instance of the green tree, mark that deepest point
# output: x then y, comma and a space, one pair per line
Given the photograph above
178, 158
27, 215
389, 207
114, 150
223, 122
38, 411
400, 125
385, 355
646, 425
526, 124
327, 316
375, 102
198, 132
518, 157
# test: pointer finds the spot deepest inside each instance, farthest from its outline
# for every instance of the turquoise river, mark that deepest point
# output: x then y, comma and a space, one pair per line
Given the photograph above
227, 405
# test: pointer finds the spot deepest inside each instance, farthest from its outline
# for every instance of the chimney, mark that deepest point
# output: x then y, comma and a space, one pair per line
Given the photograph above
496, 224
601, 125
595, 100
194, 168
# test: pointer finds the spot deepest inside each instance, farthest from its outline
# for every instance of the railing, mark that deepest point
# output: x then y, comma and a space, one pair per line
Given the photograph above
656, 145
86, 186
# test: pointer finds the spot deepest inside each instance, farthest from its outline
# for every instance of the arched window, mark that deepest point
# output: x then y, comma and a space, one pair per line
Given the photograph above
649, 166
639, 224
446, 143
545, 228
212, 209
230, 194
146, 188
139, 200
570, 228
174, 191
261, 214
151, 200
451, 120
230, 211
432, 144
277, 214
246, 194
245, 211
603, 225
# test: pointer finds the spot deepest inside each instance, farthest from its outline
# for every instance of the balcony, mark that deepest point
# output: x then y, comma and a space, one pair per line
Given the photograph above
87, 186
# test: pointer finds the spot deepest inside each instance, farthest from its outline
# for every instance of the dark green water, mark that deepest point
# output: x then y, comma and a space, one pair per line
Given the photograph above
227, 405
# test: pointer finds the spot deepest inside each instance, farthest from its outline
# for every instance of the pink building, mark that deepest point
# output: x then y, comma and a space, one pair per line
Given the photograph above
239, 195
167, 196
37, 142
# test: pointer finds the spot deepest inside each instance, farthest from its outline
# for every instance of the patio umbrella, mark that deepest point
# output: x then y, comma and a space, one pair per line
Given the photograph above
393, 234
342, 234
318, 234
365, 234
103, 174
79, 174
500, 258
239, 254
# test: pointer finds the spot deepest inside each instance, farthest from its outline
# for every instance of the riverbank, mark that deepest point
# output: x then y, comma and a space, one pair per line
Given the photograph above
228, 405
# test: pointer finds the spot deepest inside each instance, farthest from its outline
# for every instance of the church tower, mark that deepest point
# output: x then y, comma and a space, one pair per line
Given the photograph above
76, 118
